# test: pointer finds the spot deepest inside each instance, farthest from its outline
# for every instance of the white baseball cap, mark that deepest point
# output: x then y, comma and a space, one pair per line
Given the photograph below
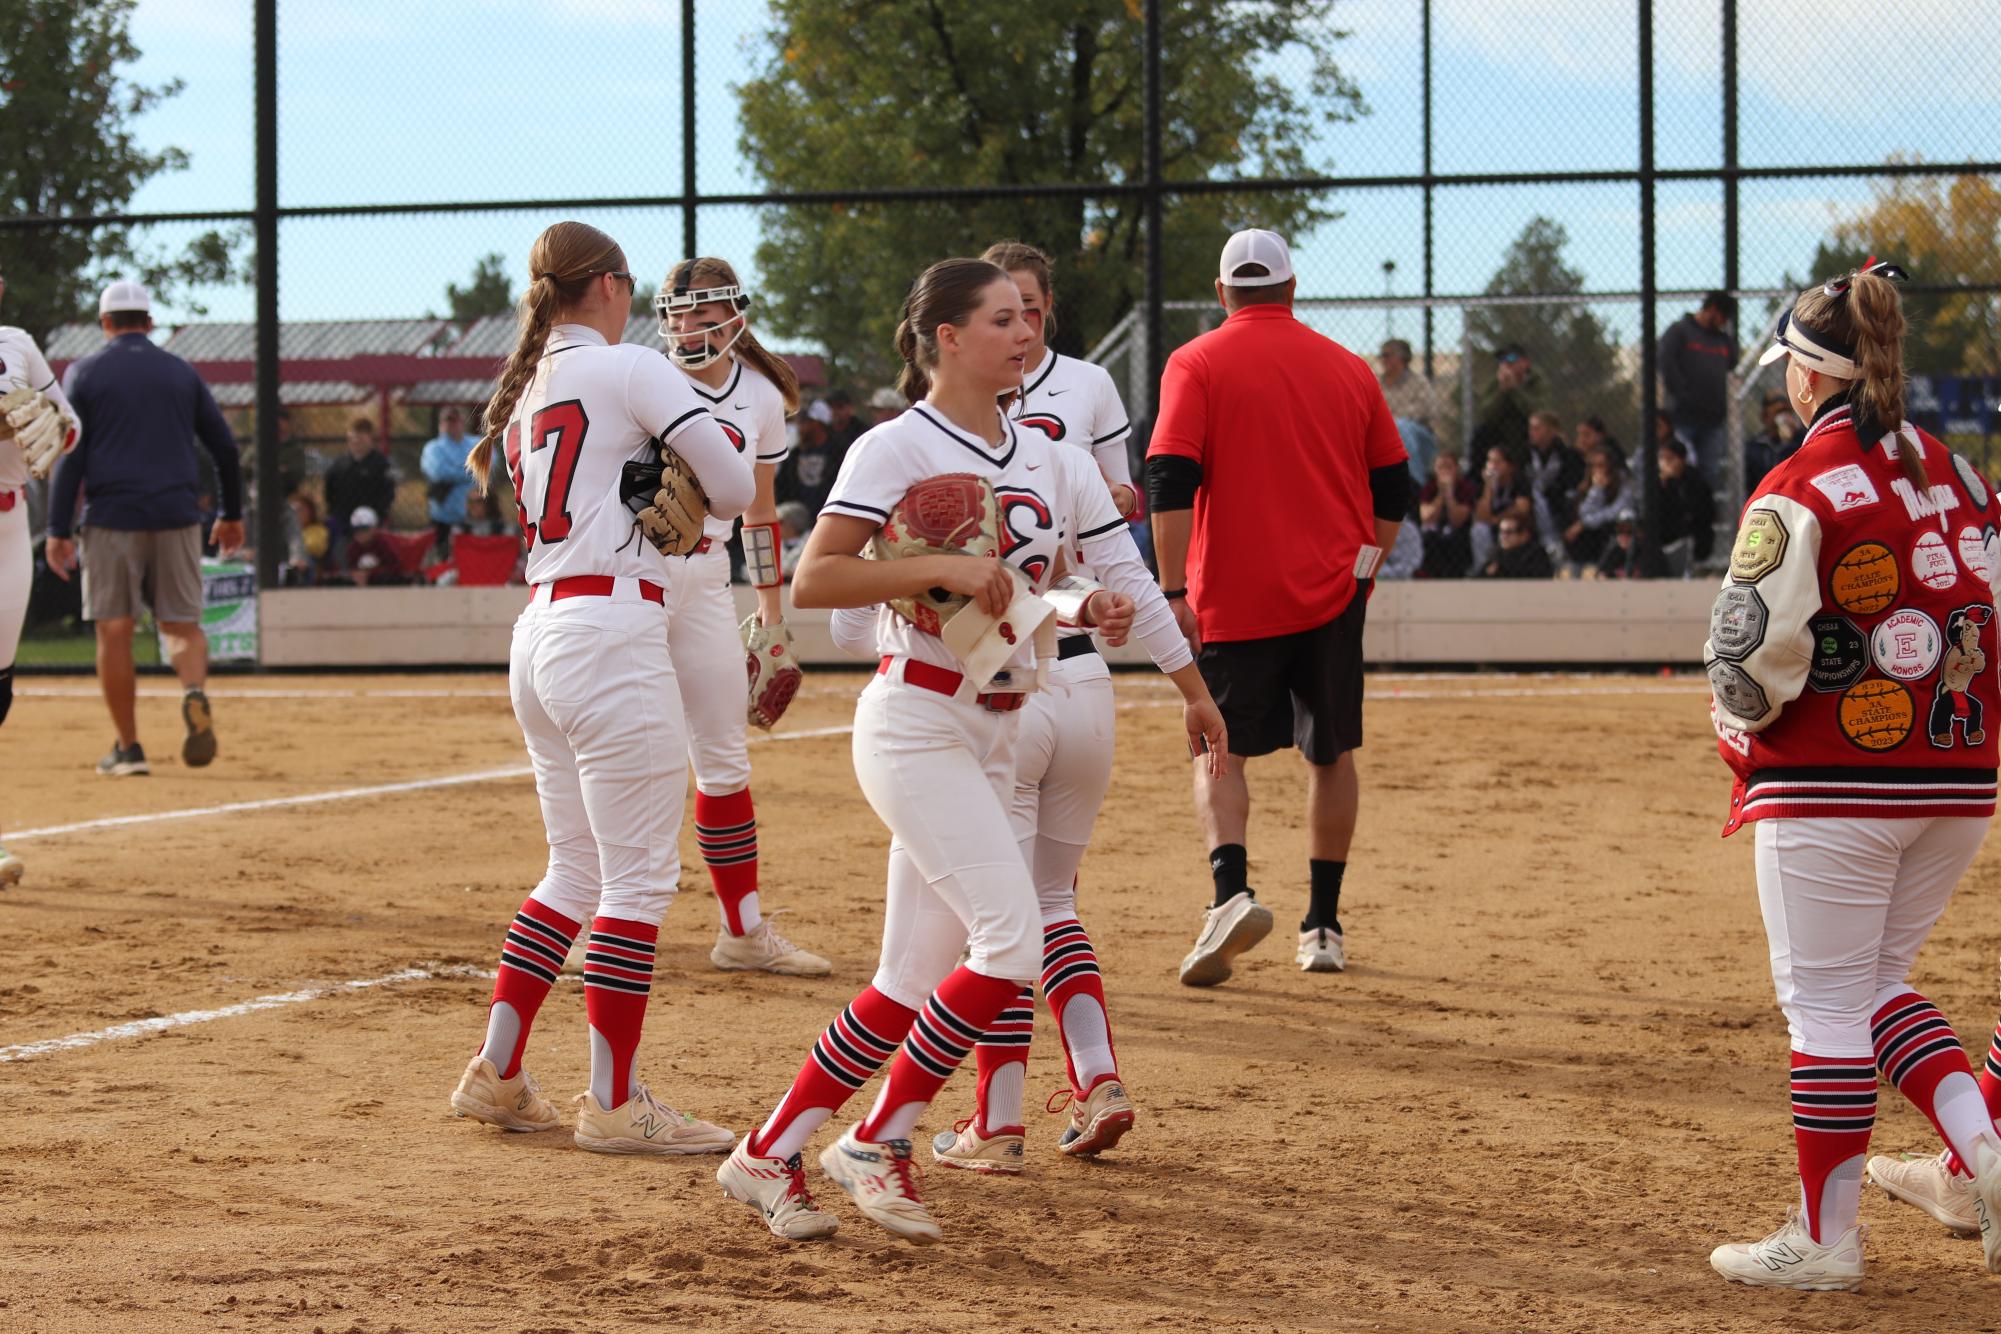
1256, 246
363, 517
820, 412
124, 296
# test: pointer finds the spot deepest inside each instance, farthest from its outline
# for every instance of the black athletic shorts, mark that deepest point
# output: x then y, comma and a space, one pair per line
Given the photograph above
1301, 690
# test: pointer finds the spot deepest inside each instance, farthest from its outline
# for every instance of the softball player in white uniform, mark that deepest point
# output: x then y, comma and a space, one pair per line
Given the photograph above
933, 750
593, 686
750, 391
41, 421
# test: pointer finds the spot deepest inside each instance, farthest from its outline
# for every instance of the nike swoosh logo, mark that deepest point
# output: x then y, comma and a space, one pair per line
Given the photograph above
741, 407
1033, 466
1054, 392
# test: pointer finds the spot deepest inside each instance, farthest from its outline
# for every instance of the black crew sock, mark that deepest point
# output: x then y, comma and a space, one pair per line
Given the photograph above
1228, 864
1325, 909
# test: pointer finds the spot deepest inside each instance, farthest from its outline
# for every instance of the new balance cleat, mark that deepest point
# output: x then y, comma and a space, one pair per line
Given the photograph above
1791, 1258
1227, 931
511, 1104
644, 1124
762, 949
1321, 951
1987, 1202
965, 1148
1930, 1185
882, 1181
776, 1188
1098, 1120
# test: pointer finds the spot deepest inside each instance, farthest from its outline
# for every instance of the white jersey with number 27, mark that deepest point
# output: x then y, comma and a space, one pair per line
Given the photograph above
590, 408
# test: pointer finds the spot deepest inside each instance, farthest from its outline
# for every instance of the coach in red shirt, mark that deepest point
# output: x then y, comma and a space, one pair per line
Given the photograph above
1277, 481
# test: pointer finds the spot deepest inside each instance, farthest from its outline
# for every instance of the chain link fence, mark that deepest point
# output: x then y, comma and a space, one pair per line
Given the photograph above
349, 224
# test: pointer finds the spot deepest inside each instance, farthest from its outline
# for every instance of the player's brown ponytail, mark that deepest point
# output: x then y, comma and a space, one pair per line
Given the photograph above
946, 293
1865, 311
709, 271
561, 264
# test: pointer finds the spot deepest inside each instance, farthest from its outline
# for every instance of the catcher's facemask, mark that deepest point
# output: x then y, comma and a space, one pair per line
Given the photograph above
671, 301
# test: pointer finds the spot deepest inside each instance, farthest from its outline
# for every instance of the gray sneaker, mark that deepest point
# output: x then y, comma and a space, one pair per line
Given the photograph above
124, 761
1227, 931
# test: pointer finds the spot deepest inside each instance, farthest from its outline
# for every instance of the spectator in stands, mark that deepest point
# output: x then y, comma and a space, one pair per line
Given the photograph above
1555, 471
1445, 520
1519, 555
1775, 441
481, 520
1516, 394
1504, 494
1411, 397
844, 427
1624, 556
359, 479
447, 479
1592, 434
1696, 355
1687, 512
305, 541
808, 473
795, 521
370, 557
1608, 493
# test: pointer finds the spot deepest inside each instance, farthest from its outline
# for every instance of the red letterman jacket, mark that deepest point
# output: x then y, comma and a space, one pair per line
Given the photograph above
1852, 652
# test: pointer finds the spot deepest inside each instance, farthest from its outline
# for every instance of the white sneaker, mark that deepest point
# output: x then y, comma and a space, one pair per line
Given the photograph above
776, 1188
1791, 1258
12, 868
1930, 1185
762, 949
1987, 1206
1321, 951
881, 1180
644, 1124
512, 1104
965, 1147
1226, 932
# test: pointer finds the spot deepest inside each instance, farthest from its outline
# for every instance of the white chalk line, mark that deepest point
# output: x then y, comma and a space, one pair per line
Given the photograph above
137, 1028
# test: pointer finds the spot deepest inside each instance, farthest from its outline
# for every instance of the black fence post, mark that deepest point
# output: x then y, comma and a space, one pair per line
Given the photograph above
1650, 479
1156, 259
1430, 368
1730, 273
688, 129
271, 500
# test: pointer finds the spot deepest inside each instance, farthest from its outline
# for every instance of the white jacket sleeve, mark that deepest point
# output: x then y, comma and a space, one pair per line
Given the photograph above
853, 629
1760, 644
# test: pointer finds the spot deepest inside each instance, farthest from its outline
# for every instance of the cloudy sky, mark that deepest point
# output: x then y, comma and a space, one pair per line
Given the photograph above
387, 101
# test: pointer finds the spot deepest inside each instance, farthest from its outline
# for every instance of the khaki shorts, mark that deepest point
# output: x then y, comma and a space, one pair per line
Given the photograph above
125, 570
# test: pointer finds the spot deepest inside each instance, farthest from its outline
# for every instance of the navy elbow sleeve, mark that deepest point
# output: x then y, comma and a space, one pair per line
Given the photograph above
1171, 482
1390, 486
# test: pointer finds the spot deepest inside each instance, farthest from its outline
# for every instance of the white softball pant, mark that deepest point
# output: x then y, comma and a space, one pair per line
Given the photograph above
939, 772
1062, 769
17, 575
1847, 903
708, 659
595, 694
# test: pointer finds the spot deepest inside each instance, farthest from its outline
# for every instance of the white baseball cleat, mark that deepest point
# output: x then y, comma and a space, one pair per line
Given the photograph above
511, 1104
1098, 1120
881, 1180
12, 868
762, 949
965, 1147
1931, 1186
1227, 931
1321, 951
776, 1188
644, 1124
1987, 1203
1791, 1258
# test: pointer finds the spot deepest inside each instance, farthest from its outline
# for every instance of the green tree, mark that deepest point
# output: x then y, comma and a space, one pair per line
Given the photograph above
1012, 92
486, 293
1575, 354
67, 120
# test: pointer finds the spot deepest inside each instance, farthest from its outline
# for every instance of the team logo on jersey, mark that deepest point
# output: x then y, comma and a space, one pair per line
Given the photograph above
1953, 704
1877, 714
1865, 580
1931, 562
1046, 422
1761, 545
1905, 645
1840, 654
1976, 552
1737, 622
1847, 487
734, 433
1975, 485
1031, 512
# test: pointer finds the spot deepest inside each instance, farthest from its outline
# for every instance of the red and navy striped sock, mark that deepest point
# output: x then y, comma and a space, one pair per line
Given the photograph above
726, 832
964, 1006
531, 959
849, 1052
1002, 1059
1918, 1052
1076, 993
1990, 1075
618, 976
1834, 1109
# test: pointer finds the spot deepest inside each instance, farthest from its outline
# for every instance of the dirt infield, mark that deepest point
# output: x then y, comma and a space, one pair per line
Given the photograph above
1552, 1079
